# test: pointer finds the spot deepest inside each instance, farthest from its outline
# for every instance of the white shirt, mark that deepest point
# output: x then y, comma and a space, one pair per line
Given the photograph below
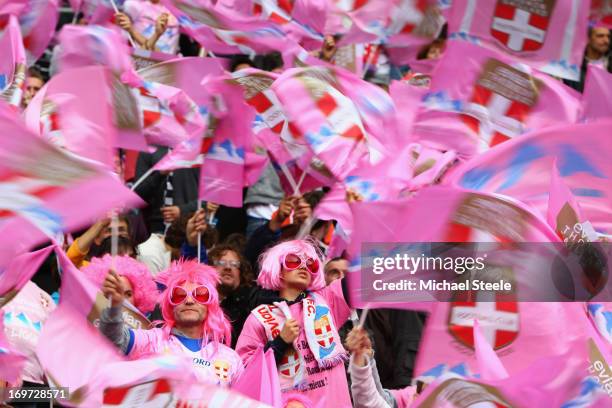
154, 254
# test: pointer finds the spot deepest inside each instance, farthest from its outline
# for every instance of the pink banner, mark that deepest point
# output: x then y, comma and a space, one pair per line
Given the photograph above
19, 271
71, 113
597, 95
260, 381
93, 45
522, 169
12, 64
563, 213
37, 20
548, 35
222, 177
42, 190
226, 31
559, 380
480, 98
11, 361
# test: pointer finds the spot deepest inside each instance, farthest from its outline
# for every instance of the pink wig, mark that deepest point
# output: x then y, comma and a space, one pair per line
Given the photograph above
216, 326
144, 288
298, 397
271, 263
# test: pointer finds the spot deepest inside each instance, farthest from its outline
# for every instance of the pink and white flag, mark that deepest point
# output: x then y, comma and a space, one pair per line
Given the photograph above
224, 30
485, 108
12, 64
519, 332
326, 119
42, 190
11, 360
37, 20
548, 35
183, 73
548, 380
19, 271
93, 45
564, 213
597, 95
222, 175
581, 152
73, 112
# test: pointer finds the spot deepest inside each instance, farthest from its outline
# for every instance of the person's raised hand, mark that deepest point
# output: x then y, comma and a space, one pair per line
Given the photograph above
196, 225
161, 23
113, 288
284, 210
170, 214
302, 210
123, 21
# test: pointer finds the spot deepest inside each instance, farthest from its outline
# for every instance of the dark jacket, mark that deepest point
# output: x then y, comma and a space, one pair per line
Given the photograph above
237, 306
185, 185
396, 336
579, 85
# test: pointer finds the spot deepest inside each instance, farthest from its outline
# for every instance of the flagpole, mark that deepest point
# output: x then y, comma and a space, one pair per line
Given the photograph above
117, 11
363, 317
199, 235
142, 178
114, 246
76, 14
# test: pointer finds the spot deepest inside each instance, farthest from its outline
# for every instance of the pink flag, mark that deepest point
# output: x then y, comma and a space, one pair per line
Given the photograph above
475, 98
72, 112
19, 271
226, 31
260, 379
37, 20
43, 187
301, 20
489, 365
596, 99
167, 115
326, 119
560, 380
76, 5
71, 351
582, 153
183, 73
563, 213
93, 45
548, 35
11, 361
222, 176
12, 64
520, 333
277, 134
435, 214
397, 22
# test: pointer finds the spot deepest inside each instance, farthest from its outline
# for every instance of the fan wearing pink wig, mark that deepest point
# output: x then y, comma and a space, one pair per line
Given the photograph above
301, 327
194, 324
138, 286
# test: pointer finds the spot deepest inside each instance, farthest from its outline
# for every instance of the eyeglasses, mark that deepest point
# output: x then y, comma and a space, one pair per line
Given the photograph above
295, 261
223, 263
200, 294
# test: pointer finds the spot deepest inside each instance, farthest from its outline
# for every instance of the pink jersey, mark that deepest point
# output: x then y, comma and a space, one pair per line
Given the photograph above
23, 320
222, 367
144, 14
324, 387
